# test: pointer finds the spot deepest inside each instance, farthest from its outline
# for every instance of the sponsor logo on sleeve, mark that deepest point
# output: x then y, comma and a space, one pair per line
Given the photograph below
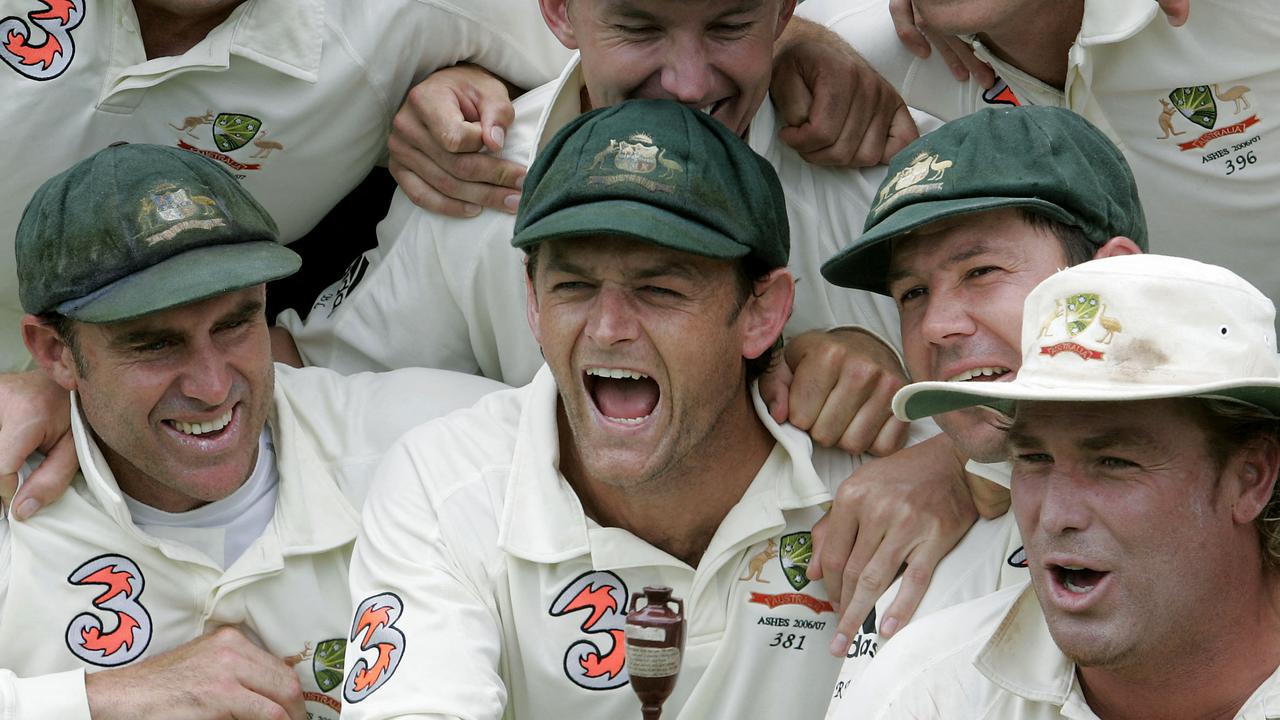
374, 626
42, 60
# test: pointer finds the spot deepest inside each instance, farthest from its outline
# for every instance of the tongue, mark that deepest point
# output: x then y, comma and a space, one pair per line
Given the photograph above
625, 398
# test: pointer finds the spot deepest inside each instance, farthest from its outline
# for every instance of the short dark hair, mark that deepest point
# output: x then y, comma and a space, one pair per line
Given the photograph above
748, 271
1076, 246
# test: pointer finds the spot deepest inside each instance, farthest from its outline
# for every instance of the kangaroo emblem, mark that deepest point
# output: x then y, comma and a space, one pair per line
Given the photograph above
757, 563
298, 657
192, 122
1166, 120
265, 146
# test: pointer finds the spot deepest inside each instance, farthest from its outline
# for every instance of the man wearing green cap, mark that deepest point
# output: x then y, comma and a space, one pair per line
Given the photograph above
500, 546
1145, 440
203, 549
969, 219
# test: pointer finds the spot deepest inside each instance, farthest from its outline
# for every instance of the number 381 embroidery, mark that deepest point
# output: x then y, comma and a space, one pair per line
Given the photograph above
87, 636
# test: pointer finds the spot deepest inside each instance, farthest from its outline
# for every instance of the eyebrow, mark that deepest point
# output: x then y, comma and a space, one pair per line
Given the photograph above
664, 269
1019, 435
954, 259
630, 9
147, 335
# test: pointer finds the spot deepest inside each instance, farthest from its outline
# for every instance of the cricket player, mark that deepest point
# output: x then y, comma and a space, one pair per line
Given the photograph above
500, 546
971, 217
1145, 441
197, 567
1199, 142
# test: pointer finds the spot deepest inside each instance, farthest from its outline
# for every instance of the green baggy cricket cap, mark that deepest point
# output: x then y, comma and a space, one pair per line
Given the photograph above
135, 229
1047, 160
658, 172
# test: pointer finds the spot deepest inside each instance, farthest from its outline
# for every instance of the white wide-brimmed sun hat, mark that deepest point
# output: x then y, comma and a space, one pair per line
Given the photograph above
1133, 327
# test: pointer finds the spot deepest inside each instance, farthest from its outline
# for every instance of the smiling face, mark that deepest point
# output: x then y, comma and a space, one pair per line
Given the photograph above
178, 398
647, 347
1127, 532
715, 55
960, 284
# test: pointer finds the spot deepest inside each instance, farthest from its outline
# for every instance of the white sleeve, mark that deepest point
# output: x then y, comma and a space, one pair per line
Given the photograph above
444, 639
57, 695
391, 309
437, 292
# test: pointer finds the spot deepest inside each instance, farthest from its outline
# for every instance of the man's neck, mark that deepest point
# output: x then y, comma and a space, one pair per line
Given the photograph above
680, 511
1038, 43
1209, 681
165, 33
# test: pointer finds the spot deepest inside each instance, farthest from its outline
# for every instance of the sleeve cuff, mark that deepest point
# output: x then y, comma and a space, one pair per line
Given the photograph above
57, 695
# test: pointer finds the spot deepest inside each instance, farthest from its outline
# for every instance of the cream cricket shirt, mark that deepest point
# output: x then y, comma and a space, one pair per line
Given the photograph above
294, 96
482, 590
82, 588
450, 293
1194, 109
990, 557
992, 659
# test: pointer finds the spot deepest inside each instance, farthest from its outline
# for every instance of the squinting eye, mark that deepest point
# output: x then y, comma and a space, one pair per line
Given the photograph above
1033, 458
1115, 463
979, 272
912, 294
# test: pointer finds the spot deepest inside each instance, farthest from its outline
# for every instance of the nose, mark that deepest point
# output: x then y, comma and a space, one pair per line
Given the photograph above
208, 375
612, 320
946, 317
1063, 503
687, 75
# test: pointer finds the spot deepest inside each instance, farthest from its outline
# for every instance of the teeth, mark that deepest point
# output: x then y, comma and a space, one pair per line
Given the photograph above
616, 373
976, 372
628, 421
1072, 567
202, 428
1078, 589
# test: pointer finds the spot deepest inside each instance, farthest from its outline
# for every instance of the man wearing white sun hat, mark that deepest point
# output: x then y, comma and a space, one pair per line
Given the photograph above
1146, 445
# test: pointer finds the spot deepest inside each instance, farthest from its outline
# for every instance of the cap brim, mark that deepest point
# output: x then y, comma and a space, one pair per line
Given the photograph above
932, 398
864, 265
185, 278
635, 220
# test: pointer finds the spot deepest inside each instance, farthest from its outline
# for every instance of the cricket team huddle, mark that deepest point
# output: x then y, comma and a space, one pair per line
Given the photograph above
918, 355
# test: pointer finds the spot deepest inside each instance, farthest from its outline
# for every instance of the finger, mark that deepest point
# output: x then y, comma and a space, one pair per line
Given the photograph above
867, 586
18, 440
904, 23
860, 120
891, 438
915, 581
869, 416
839, 411
277, 683
817, 538
957, 67
427, 198
902, 132
246, 705
50, 480
841, 533
496, 115
448, 116
775, 388
789, 90
868, 148
980, 71
815, 378
475, 178
1177, 11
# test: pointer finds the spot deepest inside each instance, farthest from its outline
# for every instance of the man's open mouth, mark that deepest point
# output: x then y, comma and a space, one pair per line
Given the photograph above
981, 374
623, 396
200, 429
1076, 579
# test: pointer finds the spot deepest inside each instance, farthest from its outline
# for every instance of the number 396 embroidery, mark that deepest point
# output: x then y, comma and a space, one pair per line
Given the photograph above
87, 636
